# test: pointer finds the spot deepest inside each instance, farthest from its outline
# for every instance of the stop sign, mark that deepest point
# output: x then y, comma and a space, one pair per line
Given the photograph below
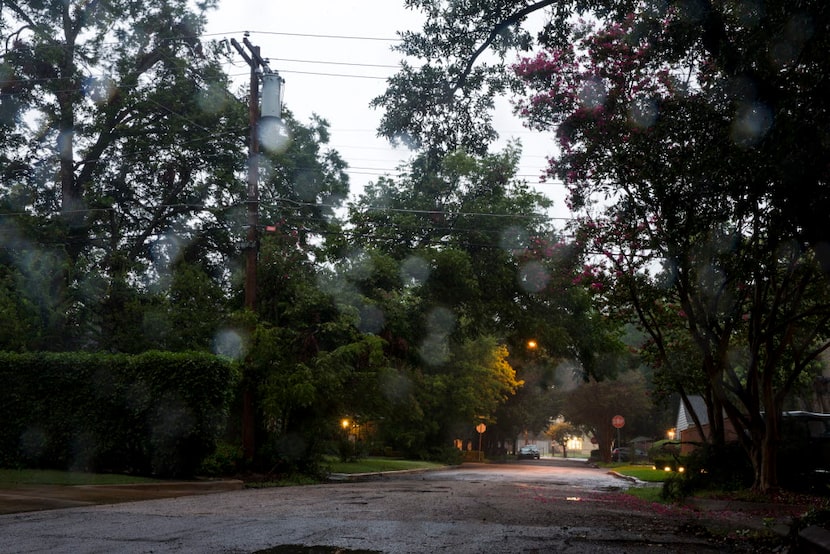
618, 421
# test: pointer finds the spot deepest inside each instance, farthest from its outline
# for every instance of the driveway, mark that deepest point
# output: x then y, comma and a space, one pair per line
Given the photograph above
519, 507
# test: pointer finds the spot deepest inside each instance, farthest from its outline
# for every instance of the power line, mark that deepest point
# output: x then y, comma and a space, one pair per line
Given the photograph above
300, 204
343, 75
350, 64
307, 35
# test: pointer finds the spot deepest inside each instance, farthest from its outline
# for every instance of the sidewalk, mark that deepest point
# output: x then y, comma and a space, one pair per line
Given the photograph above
31, 498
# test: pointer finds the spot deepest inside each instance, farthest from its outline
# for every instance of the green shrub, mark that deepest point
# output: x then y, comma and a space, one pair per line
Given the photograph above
444, 454
226, 460
710, 467
154, 414
677, 486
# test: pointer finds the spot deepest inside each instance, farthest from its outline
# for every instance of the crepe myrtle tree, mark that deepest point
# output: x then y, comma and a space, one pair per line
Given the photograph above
667, 165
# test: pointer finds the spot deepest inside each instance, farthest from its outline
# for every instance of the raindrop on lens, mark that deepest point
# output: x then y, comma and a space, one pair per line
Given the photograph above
273, 135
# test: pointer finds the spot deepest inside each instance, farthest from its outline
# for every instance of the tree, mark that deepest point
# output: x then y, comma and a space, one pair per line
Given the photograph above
594, 404
124, 140
704, 204
769, 59
446, 103
561, 432
698, 103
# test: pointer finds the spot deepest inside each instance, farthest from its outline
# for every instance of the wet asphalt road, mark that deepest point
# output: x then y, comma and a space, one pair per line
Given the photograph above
532, 506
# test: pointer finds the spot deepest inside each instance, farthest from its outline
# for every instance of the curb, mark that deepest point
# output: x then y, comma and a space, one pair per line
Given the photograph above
174, 486
814, 540
377, 475
634, 480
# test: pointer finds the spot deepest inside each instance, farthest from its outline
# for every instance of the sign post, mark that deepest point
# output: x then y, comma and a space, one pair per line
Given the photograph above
480, 428
618, 421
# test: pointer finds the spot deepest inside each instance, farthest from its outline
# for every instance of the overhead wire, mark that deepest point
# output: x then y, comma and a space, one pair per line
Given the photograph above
306, 35
357, 170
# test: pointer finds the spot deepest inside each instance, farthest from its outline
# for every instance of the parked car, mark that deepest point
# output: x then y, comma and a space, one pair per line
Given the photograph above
621, 454
626, 454
804, 451
528, 452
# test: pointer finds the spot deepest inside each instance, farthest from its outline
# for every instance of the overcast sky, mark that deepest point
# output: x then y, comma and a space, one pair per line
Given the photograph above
335, 56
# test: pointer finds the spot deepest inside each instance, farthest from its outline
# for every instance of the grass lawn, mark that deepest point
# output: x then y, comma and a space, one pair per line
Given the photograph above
643, 473
11, 477
649, 494
372, 465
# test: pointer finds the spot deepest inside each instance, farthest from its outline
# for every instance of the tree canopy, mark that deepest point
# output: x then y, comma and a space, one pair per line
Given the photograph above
680, 127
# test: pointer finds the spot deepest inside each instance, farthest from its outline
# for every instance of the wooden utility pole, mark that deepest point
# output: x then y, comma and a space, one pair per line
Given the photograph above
258, 66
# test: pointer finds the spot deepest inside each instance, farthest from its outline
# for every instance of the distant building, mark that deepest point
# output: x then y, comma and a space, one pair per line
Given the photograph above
687, 431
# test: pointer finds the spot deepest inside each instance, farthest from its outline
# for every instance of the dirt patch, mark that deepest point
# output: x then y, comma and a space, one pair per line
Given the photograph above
31, 498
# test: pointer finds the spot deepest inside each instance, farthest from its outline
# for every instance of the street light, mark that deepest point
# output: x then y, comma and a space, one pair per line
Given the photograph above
532, 344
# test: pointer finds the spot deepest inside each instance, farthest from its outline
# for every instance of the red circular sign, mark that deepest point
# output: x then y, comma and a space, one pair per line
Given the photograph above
618, 421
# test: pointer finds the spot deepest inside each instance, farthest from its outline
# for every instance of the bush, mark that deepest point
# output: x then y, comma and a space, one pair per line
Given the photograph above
725, 468
350, 450
445, 454
154, 414
665, 453
226, 460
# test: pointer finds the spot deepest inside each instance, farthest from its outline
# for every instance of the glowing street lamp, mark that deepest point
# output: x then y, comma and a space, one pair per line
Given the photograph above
532, 344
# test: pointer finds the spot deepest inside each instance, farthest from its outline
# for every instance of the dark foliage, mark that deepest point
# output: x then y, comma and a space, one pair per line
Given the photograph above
153, 414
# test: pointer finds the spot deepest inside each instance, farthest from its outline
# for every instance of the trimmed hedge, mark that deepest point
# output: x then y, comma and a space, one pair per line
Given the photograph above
157, 413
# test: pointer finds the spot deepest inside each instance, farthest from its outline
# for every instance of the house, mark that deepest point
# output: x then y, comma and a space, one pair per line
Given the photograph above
688, 433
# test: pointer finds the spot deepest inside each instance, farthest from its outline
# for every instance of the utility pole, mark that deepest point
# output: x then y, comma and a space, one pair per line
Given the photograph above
272, 88
257, 64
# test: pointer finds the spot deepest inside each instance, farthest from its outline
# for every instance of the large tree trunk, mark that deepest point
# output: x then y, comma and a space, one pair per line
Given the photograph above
72, 201
767, 477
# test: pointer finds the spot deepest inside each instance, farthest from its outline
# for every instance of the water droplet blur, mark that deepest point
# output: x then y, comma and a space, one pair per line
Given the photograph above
513, 238
100, 90
395, 387
273, 135
751, 123
533, 277
213, 99
643, 113
414, 271
229, 343
435, 350
440, 321
372, 319
592, 94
